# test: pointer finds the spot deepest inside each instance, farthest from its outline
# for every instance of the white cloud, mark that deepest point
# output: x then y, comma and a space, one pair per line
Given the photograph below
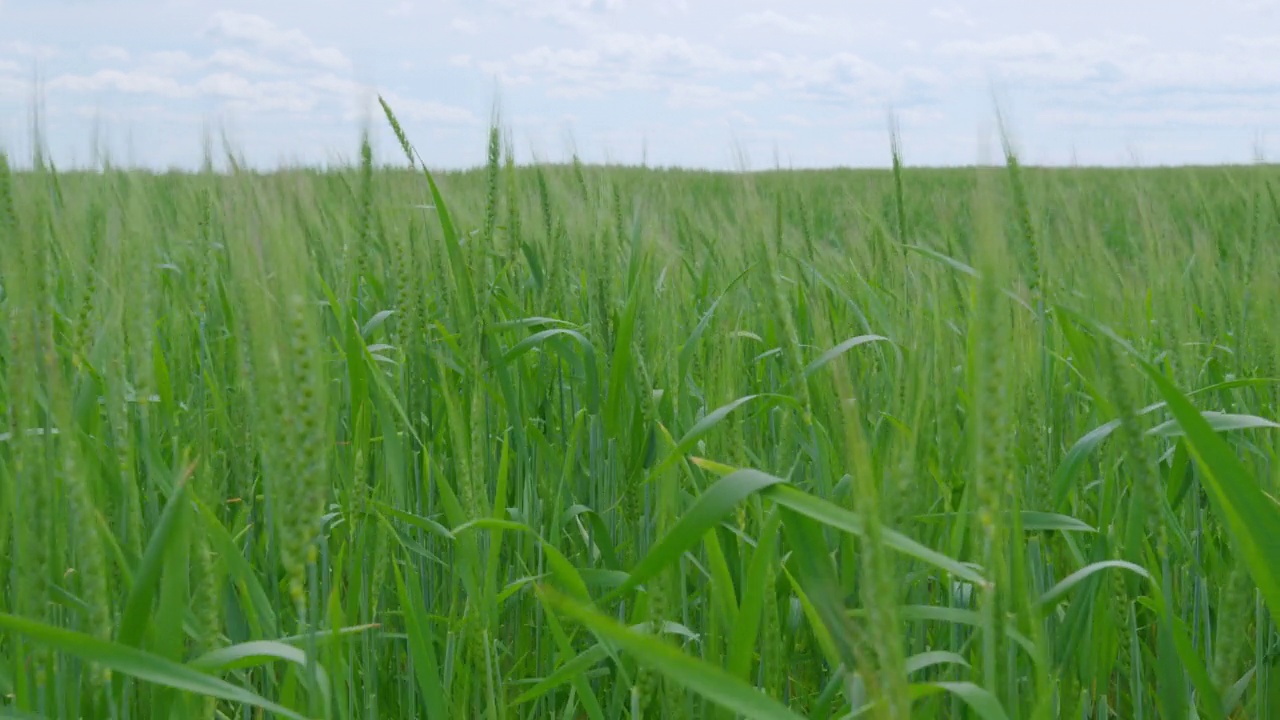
134, 83
581, 15
1121, 65
578, 66
12, 87
1011, 46
264, 34
1259, 6
237, 59
670, 70
428, 111
778, 21
807, 26
953, 15
1156, 118
616, 61
655, 50
239, 93
288, 96
698, 75
358, 99
109, 53
25, 49
842, 77
150, 111
689, 95
1204, 71
169, 62
334, 85
1255, 43
175, 63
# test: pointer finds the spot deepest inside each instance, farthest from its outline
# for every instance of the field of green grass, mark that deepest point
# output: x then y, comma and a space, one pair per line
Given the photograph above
580, 442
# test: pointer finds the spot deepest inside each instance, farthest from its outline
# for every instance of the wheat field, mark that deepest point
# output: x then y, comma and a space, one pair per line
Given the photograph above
567, 441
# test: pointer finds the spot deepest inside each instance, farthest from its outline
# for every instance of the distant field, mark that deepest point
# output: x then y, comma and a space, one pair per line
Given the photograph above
583, 442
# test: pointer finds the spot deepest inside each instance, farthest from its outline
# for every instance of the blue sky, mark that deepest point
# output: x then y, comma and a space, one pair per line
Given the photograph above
717, 84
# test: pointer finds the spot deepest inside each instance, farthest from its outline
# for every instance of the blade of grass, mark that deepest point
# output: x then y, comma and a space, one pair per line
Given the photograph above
140, 664
706, 680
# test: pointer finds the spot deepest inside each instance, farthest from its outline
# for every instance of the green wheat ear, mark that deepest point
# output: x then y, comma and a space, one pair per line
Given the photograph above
399, 131
306, 421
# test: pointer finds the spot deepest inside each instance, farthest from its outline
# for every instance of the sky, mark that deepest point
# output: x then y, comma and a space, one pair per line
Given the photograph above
716, 84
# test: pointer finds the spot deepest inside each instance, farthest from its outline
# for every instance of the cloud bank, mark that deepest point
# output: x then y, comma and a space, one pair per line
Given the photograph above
676, 83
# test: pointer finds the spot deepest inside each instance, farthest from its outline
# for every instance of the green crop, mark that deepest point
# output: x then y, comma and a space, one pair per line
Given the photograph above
567, 441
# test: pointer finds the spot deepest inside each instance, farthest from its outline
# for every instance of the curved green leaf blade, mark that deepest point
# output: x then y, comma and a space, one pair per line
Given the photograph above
587, 361
1217, 421
978, 699
841, 519
139, 664
256, 653
1252, 518
1031, 521
931, 658
707, 680
137, 609
705, 425
841, 349
375, 322
1080, 451
248, 654
945, 259
715, 504
686, 350
1064, 586
1075, 458
563, 674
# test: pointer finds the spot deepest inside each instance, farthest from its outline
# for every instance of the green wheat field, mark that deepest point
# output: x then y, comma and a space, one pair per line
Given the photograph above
565, 441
